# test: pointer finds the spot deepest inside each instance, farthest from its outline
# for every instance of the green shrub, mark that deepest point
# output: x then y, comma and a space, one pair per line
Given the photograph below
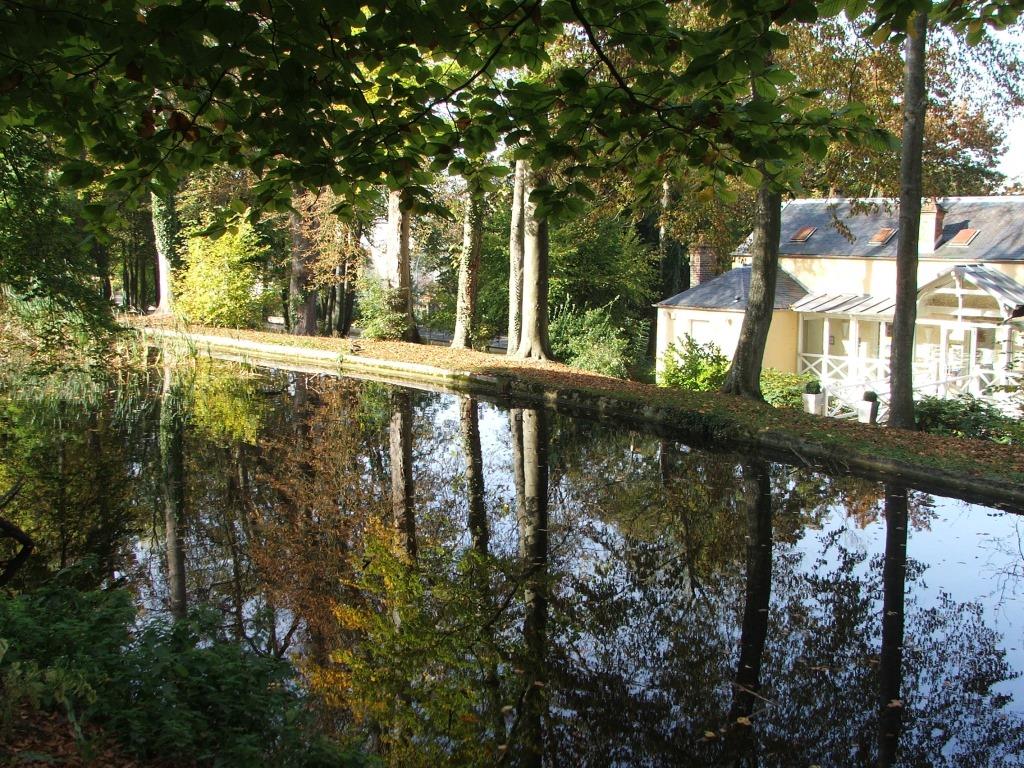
967, 416
377, 317
163, 689
219, 284
786, 390
590, 340
699, 367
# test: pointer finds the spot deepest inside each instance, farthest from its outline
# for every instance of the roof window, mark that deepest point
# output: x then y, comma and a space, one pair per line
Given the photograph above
964, 237
803, 234
882, 236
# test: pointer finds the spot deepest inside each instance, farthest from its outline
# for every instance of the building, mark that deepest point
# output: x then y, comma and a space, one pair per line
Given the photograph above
836, 294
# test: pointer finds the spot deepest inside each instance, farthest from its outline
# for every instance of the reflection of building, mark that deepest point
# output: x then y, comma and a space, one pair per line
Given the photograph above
837, 283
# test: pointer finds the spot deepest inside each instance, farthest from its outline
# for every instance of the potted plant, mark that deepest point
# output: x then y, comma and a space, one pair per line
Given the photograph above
867, 409
814, 398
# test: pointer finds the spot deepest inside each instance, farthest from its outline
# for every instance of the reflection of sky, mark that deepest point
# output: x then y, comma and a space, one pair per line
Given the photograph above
970, 552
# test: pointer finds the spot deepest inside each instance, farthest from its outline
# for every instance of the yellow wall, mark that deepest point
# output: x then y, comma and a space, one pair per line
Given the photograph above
723, 328
873, 276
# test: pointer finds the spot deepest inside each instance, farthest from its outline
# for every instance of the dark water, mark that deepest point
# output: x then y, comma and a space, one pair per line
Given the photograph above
462, 584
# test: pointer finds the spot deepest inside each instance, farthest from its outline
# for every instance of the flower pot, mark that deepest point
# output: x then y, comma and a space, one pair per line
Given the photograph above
815, 404
867, 411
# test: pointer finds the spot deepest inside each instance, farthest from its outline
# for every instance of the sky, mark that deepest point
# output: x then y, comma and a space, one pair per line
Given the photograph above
1013, 161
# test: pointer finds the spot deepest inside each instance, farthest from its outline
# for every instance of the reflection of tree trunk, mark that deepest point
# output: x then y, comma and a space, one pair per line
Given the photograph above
403, 490
759, 585
172, 460
533, 532
894, 577
515, 422
474, 474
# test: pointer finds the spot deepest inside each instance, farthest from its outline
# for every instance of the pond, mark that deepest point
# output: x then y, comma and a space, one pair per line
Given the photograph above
458, 582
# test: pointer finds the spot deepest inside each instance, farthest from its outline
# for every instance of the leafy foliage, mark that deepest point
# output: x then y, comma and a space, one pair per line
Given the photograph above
967, 416
785, 390
161, 689
220, 282
589, 339
699, 367
378, 318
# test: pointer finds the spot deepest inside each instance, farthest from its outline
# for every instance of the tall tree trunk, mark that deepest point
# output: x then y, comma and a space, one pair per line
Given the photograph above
533, 342
515, 259
166, 229
890, 671
403, 489
400, 262
744, 377
302, 297
754, 632
901, 364
469, 270
172, 461
533, 533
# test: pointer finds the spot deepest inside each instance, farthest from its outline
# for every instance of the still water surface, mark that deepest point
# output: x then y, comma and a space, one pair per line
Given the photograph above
461, 583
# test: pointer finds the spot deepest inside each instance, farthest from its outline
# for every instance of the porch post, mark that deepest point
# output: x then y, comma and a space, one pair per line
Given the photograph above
826, 374
799, 343
853, 362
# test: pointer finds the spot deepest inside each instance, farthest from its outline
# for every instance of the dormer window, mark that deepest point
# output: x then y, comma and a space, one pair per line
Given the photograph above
964, 237
882, 236
803, 234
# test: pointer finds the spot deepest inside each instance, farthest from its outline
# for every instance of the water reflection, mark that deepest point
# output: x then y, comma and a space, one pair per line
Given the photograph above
461, 584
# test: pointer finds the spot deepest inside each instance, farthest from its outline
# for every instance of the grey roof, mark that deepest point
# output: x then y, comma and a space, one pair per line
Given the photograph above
846, 304
729, 291
999, 221
1003, 288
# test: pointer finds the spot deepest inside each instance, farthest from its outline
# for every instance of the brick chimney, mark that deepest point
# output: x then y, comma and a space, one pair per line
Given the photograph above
702, 263
932, 216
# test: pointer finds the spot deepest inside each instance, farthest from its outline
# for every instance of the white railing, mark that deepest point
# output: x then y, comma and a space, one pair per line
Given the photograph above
992, 386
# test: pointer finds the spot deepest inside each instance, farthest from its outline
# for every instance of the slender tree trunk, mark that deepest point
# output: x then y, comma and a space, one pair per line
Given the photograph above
894, 579
754, 633
533, 342
172, 460
469, 270
400, 263
901, 364
302, 297
403, 489
533, 532
744, 377
166, 229
515, 259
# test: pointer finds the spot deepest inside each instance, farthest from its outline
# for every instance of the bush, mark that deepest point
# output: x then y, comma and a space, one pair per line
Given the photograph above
166, 689
220, 284
698, 367
967, 416
377, 317
590, 340
786, 390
